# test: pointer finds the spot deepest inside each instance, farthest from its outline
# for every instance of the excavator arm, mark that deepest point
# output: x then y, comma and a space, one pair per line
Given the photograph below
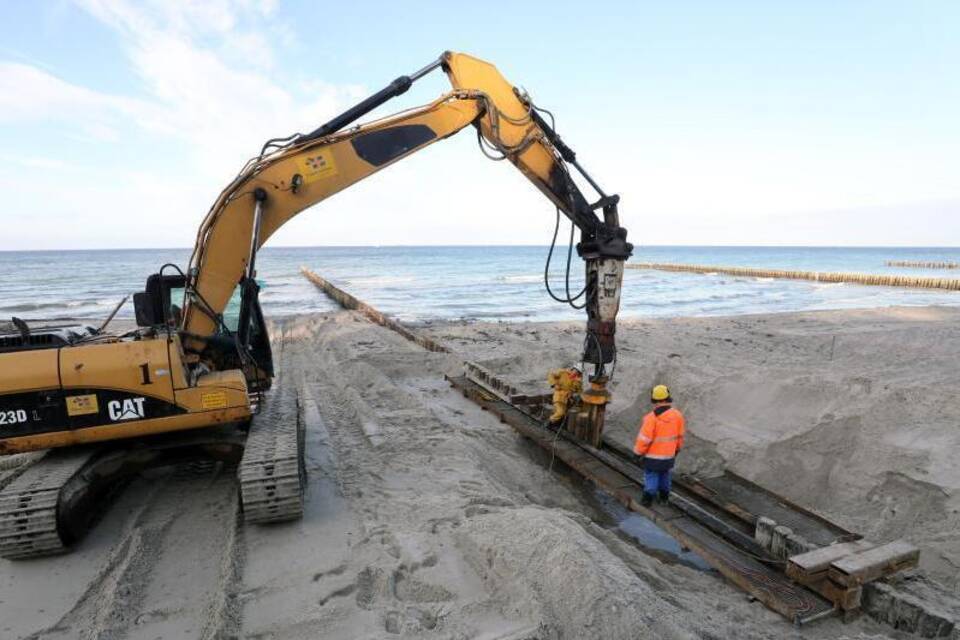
294, 173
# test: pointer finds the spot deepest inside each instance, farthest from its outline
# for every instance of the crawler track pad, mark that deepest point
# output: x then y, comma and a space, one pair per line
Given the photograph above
54, 501
29, 506
272, 475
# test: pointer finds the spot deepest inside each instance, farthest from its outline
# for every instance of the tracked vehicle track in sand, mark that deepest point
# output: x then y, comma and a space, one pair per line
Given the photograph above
30, 522
159, 578
272, 473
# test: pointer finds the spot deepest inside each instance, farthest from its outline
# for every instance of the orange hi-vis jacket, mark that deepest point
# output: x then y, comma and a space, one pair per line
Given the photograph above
661, 434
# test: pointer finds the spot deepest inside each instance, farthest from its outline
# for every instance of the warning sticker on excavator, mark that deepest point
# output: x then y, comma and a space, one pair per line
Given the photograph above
317, 164
82, 405
215, 400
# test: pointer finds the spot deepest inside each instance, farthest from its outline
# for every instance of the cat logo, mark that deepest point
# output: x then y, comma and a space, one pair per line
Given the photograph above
130, 409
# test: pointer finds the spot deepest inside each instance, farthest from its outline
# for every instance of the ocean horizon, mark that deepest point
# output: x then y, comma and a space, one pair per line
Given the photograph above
272, 247
474, 282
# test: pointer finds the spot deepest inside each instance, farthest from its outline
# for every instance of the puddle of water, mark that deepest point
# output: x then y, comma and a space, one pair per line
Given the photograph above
647, 534
611, 514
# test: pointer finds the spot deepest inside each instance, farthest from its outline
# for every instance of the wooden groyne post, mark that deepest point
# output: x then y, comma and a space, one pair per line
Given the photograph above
348, 301
917, 264
917, 282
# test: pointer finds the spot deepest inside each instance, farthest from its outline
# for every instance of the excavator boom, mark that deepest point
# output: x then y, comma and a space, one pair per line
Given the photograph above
292, 174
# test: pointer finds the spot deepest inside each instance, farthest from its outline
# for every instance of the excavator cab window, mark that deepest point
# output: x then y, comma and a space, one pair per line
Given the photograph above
154, 305
177, 300
244, 331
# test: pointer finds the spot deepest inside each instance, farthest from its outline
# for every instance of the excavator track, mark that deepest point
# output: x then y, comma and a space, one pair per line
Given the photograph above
30, 505
272, 474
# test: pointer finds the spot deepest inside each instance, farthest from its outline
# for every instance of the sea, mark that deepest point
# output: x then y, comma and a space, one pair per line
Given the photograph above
473, 283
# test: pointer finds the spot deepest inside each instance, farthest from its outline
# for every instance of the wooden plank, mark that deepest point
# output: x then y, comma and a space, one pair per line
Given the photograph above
842, 597
540, 398
720, 527
842, 534
695, 486
812, 566
846, 598
770, 587
874, 563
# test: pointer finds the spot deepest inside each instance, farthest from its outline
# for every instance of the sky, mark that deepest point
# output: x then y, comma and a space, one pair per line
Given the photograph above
731, 123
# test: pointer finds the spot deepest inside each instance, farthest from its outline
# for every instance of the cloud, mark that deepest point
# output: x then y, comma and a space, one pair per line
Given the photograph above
188, 57
207, 98
31, 94
33, 162
191, 91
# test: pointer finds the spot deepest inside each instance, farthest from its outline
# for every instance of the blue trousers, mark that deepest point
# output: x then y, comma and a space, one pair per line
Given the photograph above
656, 481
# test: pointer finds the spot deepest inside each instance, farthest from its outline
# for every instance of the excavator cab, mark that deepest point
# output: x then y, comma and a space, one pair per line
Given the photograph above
155, 305
242, 340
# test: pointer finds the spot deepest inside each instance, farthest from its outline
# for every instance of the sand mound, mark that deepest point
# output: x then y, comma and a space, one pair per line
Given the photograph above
547, 567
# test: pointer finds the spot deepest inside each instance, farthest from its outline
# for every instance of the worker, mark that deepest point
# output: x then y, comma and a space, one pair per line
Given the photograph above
565, 383
659, 441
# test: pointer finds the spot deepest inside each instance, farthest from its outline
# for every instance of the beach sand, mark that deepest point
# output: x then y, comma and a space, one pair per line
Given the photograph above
854, 413
428, 518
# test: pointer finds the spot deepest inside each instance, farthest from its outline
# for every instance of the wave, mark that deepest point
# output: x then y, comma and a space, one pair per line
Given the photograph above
735, 296
380, 280
497, 314
39, 306
521, 279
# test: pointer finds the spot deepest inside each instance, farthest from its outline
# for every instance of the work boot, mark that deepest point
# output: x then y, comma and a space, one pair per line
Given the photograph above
664, 497
647, 499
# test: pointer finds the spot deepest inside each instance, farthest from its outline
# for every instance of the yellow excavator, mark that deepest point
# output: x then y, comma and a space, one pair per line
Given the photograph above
192, 380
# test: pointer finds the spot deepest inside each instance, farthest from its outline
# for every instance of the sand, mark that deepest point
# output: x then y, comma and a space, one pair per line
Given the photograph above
853, 413
427, 518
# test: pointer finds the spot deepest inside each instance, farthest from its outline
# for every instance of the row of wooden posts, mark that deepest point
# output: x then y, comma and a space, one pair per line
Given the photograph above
919, 282
348, 301
917, 264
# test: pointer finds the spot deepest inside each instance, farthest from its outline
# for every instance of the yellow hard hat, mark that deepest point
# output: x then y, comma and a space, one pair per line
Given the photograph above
660, 393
